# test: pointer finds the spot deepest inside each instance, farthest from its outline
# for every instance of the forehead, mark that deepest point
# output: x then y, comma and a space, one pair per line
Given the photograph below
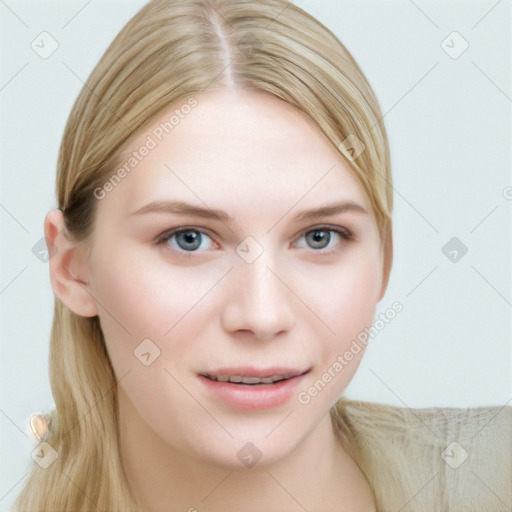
234, 145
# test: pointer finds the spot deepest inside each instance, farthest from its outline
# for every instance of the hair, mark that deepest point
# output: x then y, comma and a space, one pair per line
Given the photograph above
168, 52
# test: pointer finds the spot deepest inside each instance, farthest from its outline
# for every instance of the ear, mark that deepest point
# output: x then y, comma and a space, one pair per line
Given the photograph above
387, 260
68, 267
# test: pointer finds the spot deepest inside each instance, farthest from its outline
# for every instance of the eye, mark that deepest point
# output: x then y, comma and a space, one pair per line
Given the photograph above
186, 239
325, 237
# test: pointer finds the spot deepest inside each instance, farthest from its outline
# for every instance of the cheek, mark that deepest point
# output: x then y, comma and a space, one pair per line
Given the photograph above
347, 294
142, 297
345, 301
359, 295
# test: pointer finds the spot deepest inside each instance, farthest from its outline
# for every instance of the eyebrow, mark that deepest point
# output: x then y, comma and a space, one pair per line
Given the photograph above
182, 208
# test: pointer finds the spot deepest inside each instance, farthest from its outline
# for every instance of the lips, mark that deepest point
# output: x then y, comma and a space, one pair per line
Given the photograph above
238, 379
252, 376
252, 388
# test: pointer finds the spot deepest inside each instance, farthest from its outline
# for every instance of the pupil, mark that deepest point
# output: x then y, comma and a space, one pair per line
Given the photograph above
191, 238
320, 239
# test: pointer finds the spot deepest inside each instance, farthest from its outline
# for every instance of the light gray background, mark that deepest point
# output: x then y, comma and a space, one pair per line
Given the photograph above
450, 133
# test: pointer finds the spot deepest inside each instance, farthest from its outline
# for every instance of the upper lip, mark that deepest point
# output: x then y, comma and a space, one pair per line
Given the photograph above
250, 371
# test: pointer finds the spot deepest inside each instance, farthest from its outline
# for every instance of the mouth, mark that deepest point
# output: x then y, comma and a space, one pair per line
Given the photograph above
251, 381
252, 388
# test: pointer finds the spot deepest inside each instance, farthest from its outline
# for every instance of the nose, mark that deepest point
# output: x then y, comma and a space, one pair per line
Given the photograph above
258, 302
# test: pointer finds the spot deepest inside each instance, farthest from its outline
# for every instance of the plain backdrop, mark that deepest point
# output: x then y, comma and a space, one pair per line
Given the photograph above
448, 114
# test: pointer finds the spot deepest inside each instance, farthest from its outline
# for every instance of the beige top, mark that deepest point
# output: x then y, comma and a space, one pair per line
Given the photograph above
432, 459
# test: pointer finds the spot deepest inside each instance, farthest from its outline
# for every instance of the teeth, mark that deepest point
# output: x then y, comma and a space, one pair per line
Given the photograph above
248, 380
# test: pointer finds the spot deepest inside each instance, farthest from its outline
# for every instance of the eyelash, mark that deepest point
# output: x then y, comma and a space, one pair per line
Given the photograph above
345, 234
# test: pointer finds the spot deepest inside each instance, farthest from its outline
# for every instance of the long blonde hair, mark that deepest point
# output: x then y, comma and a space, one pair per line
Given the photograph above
170, 51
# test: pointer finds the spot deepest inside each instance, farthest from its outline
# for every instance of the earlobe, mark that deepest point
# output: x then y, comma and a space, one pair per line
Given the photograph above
387, 261
68, 267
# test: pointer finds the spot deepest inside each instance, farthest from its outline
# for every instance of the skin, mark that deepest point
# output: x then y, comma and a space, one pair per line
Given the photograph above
262, 161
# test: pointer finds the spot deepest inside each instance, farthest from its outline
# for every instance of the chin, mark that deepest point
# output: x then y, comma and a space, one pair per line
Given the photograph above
254, 446
247, 456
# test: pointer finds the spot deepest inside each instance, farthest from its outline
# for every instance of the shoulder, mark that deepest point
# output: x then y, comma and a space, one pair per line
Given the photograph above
437, 458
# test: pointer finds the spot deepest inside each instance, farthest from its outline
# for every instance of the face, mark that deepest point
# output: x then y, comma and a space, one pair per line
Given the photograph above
225, 295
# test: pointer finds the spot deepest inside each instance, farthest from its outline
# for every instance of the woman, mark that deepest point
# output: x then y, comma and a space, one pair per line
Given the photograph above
222, 239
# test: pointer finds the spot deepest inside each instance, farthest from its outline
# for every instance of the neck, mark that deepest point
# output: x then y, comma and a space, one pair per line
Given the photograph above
318, 475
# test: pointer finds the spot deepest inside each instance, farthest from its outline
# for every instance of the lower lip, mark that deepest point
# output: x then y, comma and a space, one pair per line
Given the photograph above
255, 396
